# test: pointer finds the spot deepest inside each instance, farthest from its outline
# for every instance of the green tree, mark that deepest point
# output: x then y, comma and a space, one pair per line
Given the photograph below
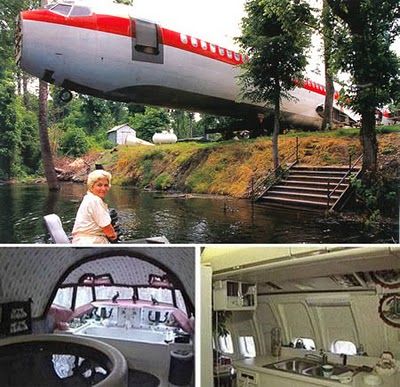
9, 137
29, 147
364, 32
275, 35
153, 120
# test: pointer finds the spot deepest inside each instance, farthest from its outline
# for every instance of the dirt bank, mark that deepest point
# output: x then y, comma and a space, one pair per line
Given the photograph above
226, 168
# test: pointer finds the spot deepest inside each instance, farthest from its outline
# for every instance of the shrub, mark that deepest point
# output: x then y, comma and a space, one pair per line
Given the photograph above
74, 142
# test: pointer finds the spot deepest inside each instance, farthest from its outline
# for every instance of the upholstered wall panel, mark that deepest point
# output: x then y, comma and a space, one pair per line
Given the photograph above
35, 271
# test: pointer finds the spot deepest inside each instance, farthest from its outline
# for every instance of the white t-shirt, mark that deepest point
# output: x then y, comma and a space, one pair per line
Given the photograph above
92, 216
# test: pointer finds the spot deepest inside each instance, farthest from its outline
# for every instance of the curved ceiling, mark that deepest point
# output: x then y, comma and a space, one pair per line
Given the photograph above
34, 272
124, 270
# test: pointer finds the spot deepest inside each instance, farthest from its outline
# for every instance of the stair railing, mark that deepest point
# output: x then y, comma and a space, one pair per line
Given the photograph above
275, 175
351, 167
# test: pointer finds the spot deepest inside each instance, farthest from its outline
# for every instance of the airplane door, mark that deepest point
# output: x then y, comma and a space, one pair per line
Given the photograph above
146, 42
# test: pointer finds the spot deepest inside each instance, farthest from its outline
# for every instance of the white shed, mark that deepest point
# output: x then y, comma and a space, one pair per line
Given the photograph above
118, 134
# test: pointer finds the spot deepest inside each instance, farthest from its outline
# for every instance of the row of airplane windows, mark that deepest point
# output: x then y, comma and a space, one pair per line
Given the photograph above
213, 48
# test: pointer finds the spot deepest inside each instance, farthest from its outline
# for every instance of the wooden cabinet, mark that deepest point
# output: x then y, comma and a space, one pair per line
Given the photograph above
234, 295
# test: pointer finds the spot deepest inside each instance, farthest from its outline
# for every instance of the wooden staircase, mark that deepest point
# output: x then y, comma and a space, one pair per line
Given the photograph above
310, 187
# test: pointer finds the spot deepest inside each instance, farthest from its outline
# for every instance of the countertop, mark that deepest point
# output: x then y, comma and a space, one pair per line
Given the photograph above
256, 364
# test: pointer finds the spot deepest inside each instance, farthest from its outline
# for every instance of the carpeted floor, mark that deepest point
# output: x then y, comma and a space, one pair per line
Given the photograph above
142, 379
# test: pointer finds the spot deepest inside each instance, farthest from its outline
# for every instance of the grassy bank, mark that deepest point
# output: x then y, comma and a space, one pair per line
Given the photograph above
228, 168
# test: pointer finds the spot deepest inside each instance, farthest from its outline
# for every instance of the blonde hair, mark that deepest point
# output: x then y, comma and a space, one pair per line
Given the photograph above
97, 175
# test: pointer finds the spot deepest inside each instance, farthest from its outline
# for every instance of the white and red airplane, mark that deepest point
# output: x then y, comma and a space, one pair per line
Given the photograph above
114, 55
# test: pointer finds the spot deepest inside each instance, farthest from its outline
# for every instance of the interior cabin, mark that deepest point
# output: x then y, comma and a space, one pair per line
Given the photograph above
97, 316
300, 316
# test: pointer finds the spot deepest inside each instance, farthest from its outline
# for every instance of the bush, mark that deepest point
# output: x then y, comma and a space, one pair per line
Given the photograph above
163, 182
74, 142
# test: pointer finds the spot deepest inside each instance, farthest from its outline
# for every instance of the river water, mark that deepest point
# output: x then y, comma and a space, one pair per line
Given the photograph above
190, 219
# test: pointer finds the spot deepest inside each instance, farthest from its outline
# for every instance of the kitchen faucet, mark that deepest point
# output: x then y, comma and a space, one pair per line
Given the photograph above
321, 358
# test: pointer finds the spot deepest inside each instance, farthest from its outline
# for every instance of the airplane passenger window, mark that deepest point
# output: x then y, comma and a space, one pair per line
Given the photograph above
247, 346
237, 56
62, 9
203, 45
345, 347
303, 343
194, 42
221, 51
229, 53
184, 39
213, 48
80, 11
226, 344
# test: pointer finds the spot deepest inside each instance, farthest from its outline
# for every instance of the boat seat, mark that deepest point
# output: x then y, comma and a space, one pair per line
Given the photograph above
55, 229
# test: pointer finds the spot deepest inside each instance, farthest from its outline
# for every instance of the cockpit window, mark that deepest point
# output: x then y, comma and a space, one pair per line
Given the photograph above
62, 9
80, 11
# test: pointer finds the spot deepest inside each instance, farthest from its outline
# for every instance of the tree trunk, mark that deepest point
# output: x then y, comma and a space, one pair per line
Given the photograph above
275, 151
25, 93
369, 145
47, 157
330, 89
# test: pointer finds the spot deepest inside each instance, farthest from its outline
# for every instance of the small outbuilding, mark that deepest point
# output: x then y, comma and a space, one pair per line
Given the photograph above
119, 134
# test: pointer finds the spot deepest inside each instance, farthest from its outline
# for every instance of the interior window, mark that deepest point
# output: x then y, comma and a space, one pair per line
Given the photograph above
62, 9
247, 346
161, 295
225, 343
80, 11
108, 292
303, 343
345, 347
83, 296
180, 302
64, 297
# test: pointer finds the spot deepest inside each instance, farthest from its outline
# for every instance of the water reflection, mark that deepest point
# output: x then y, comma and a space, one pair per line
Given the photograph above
181, 218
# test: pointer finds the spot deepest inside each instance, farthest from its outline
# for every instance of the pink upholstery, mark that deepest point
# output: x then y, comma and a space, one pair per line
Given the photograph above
60, 315
182, 320
82, 310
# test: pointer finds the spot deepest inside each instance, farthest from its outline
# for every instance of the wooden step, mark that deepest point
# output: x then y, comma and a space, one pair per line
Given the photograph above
298, 188
310, 184
317, 173
323, 179
324, 168
296, 203
300, 196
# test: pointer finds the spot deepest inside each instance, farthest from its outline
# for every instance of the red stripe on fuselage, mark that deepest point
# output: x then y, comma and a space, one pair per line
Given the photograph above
122, 26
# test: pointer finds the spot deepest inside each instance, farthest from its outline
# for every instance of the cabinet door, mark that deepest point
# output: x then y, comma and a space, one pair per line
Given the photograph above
278, 381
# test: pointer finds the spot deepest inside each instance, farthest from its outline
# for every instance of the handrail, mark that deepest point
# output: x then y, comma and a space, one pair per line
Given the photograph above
351, 167
261, 185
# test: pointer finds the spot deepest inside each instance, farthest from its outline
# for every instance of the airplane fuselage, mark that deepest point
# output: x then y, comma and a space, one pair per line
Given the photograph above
123, 58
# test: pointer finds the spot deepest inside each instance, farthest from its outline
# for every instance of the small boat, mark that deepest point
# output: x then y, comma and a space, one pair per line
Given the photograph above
59, 236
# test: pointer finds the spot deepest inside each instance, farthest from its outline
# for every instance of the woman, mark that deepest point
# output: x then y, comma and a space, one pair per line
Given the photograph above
93, 221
